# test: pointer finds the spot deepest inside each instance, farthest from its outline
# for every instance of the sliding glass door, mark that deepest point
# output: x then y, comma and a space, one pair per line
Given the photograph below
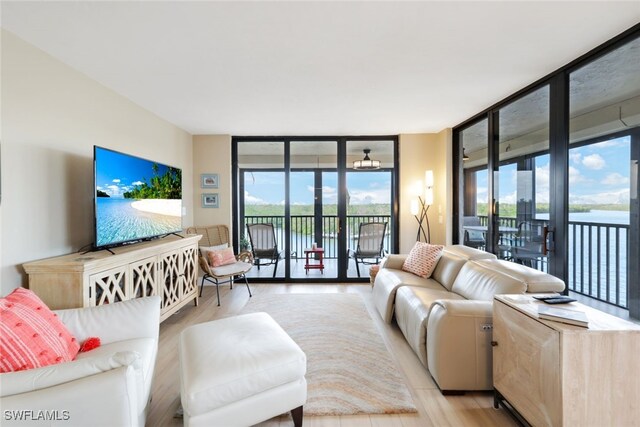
308, 191
548, 177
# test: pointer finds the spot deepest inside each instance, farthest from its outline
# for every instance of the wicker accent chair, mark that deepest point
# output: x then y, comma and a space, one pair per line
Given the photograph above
214, 235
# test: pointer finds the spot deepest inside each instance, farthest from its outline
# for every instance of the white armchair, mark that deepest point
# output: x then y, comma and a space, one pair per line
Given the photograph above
108, 386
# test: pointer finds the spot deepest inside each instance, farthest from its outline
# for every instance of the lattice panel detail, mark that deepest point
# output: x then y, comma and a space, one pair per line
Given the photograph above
170, 277
190, 270
109, 286
144, 279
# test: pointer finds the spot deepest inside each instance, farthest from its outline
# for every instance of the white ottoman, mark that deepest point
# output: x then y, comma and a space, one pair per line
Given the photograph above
240, 371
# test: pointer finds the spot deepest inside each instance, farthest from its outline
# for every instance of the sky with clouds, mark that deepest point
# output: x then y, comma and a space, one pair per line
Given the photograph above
364, 188
117, 173
598, 174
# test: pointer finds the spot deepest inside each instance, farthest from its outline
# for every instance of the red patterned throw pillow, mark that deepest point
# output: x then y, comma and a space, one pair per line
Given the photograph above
31, 335
422, 259
221, 257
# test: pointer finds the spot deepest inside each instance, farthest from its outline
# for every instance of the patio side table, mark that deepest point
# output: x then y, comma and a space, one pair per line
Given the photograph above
316, 262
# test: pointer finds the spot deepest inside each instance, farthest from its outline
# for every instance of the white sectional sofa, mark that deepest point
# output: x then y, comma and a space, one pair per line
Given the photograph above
447, 318
107, 386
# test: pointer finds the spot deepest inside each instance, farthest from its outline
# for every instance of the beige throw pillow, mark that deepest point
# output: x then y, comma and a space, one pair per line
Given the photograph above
422, 259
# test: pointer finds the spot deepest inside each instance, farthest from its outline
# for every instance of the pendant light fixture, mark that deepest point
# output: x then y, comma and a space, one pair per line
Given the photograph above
366, 163
464, 155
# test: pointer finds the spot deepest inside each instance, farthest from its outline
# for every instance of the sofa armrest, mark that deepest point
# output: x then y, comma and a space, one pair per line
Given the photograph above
393, 261
459, 334
136, 318
49, 376
104, 399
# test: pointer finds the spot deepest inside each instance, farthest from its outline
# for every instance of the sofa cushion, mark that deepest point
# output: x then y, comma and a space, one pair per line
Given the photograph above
31, 335
422, 259
412, 313
535, 280
448, 268
469, 253
481, 282
387, 283
145, 348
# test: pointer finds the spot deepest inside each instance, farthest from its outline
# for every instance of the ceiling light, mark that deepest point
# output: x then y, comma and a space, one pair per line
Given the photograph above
464, 155
366, 163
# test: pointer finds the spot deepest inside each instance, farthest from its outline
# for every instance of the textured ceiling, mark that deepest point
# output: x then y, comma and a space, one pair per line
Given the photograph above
316, 68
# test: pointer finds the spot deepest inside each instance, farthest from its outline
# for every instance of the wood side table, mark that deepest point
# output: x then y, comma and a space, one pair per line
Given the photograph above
314, 263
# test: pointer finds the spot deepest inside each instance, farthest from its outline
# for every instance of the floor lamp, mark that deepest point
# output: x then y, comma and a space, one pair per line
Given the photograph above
420, 208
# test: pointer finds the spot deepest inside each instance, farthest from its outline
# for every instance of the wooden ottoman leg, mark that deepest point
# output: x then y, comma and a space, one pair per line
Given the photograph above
296, 414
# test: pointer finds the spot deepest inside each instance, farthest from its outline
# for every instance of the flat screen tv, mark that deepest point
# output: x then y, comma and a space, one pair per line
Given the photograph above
135, 199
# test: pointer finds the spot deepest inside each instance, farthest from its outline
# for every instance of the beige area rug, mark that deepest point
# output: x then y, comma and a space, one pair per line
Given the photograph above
349, 369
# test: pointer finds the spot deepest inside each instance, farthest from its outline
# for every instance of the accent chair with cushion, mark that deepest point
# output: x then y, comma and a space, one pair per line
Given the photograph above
107, 386
217, 261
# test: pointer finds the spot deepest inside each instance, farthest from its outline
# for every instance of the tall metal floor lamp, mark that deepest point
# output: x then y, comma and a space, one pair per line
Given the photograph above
420, 208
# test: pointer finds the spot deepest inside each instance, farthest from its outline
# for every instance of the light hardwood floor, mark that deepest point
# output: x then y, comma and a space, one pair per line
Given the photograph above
471, 409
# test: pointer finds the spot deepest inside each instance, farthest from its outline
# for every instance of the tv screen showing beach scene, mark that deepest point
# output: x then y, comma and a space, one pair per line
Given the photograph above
135, 198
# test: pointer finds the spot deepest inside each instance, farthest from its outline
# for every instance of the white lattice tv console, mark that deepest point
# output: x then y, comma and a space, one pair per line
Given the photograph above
167, 267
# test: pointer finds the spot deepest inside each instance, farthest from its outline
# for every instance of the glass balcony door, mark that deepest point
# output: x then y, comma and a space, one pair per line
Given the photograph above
315, 200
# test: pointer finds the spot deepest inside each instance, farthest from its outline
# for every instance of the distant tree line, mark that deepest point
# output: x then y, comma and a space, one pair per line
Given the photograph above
167, 186
100, 193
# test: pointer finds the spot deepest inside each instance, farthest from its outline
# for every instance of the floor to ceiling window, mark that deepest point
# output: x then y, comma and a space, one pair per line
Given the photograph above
320, 198
562, 195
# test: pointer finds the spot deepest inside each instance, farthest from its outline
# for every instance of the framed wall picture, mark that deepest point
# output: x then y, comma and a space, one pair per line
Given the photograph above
209, 180
210, 200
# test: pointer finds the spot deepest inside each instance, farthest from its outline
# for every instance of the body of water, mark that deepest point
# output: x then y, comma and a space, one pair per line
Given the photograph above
117, 222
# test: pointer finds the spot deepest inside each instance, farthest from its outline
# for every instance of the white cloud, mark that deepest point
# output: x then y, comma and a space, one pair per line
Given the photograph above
542, 184
363, 197
575, 176
610, 197
99, 187
137, 183
116, 180
615, 179
593, 161
509, 198
252, 200
113, 190
575, 157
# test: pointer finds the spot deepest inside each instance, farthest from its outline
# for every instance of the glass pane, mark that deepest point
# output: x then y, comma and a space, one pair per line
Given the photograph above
522, 183
369, 205
310, 225
262, 180
475, 203
604, 108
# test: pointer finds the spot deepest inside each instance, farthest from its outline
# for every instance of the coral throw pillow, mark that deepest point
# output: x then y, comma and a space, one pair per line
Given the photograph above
422, 259
221, 257
31, 335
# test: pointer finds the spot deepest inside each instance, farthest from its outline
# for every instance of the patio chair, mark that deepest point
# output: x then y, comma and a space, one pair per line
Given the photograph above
264, 246
529, 244
215, 235
370, 249
473, 238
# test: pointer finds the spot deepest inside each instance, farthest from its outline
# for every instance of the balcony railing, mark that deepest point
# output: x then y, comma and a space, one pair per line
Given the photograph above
303, 232
597, 259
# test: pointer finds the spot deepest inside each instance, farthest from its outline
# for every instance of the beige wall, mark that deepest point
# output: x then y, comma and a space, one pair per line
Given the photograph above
212, 154
52, 115
418, 153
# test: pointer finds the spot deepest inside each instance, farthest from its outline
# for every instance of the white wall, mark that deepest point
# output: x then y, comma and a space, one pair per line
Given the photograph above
51, 117
419, 153
212, 154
